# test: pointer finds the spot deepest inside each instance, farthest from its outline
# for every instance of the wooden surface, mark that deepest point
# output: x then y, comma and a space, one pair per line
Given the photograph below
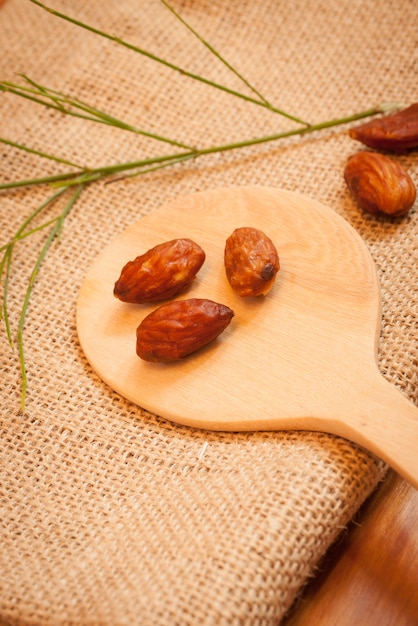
370, 576
303, 357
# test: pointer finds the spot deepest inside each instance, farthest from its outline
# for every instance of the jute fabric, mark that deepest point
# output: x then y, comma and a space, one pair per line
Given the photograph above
112, 516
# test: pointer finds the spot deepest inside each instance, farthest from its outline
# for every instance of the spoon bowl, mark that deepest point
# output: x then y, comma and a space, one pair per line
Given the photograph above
302, 357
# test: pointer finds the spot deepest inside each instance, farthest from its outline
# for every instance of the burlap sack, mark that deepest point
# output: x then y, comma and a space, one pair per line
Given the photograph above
110, 515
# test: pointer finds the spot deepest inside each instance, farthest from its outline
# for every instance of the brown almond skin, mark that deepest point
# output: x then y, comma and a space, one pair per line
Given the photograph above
161, 273
396, 133
251, 262
178, 328
379, 184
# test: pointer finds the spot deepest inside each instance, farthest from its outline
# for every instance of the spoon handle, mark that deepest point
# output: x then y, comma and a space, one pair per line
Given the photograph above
385, 423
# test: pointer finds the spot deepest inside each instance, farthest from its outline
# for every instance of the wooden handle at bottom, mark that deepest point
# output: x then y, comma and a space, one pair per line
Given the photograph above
385, 422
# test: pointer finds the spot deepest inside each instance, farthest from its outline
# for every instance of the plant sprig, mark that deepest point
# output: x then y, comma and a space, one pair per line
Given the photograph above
87, 175
5, 266
72, 182
260, 101
224, 61
68, 105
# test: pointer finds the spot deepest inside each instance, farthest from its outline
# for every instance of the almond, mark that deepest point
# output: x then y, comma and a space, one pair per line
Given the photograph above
161, 273
379, 184
396, 132
251, 262
178, 328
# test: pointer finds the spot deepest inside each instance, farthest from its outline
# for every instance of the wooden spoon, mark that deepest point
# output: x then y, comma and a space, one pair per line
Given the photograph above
303, 357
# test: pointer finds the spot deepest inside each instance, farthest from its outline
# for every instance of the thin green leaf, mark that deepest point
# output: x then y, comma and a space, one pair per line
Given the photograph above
40, 153
216, 53
54, 100
152, 169
6, 260
44, 91
32, 279
38, 181
82, 177
168, 64
28, 233
5, 266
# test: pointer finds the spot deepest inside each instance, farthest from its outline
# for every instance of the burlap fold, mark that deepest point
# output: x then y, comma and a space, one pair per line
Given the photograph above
110, 515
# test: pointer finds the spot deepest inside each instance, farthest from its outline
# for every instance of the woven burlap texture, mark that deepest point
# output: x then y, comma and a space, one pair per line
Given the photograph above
110, 515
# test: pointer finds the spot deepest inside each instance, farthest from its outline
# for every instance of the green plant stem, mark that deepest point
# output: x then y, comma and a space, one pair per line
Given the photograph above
45, 155
168, 64
5, 266
216, 53
153, 168
26, 234
244, 143
40, 181
44, 91
6, 261
55, 231
93, 113
93, 174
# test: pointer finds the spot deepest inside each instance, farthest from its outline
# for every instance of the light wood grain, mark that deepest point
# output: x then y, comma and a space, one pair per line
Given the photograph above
304, 357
